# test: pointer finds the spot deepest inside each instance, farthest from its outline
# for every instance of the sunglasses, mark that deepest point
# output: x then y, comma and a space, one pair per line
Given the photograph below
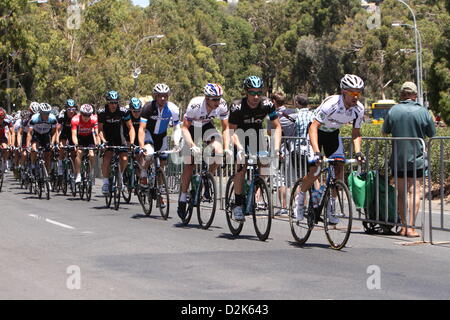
255, 93
354, 94
214, 99
111, 102
136, 110
72, 109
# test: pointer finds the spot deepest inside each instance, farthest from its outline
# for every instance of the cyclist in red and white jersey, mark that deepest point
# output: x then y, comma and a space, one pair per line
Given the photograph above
84, 134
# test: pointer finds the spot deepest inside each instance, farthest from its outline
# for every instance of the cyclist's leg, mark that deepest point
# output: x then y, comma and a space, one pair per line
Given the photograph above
105, 170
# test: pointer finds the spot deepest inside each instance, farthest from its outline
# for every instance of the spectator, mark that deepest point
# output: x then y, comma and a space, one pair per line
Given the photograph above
286, 173
408, 119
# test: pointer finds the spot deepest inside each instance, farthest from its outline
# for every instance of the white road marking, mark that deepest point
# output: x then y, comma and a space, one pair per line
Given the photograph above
52, 222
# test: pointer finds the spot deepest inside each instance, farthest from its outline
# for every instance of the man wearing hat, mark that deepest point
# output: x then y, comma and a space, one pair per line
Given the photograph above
408, 119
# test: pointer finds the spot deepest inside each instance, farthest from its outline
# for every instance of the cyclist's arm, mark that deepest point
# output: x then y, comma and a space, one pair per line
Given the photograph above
131, 131
100, 133
276, 124
186, 134
141, 133
234, 137
313, 135
54, 136
74, 136
226, 134
357, 139
29, 136
19, 137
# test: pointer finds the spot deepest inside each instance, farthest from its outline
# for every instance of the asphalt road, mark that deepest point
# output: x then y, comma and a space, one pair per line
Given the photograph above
66, 248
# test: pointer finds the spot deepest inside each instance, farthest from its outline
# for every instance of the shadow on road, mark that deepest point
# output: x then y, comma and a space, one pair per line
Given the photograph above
239, 237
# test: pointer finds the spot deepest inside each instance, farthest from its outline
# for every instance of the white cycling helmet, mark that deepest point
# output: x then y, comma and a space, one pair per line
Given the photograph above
34, 107
86, 109
45, 108
213, 90
350, 81
161, 88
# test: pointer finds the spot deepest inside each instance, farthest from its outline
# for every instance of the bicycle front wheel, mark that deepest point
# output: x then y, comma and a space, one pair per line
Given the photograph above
117, 188
162, 194
338, 216
262, 209
300, 227
234, 225
206, 208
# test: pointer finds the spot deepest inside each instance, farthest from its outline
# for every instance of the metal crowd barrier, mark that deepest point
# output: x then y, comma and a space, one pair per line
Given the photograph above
439, 174
378, 153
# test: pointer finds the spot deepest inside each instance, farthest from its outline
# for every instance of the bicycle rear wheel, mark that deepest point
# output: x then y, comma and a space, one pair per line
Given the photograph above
301, 229
109, 195
127, 188
117, 188
162, 194
206, 208
262, 212
338, 225
234, 226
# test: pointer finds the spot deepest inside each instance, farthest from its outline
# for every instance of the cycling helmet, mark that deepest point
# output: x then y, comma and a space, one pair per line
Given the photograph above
34, 107
213, 90
70, 103
253, 82
25, 114
86, 110
350, 81
55, 111
161, 88
45, 108
112, 96
135, 104
2, 113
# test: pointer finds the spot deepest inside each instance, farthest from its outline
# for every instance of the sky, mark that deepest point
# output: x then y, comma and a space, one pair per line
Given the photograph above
142, 3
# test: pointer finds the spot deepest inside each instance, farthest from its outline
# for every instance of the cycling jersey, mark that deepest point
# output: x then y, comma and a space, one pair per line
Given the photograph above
65, 122
158, 121
197, 113
332, 114
84, 128
4, 127
41, 127
251, 118
112, 124
136, 122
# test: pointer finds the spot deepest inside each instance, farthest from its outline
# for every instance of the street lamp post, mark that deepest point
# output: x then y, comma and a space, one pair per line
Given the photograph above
136, 70
418, 51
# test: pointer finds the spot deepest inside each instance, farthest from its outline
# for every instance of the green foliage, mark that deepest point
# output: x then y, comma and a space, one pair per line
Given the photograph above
296, 46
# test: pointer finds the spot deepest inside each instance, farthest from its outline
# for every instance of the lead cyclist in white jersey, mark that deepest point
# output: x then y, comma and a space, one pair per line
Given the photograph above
332, 114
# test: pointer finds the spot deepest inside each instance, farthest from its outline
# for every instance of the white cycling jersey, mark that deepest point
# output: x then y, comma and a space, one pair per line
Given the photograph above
197, 113
332, 114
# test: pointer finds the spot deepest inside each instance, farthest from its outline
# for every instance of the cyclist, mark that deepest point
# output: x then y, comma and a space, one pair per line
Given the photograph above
156, 116
84, 134
111, 133
248, 114
197, 128
135, 107
323, 131
22, 134
42, 132
5, 136
64, 130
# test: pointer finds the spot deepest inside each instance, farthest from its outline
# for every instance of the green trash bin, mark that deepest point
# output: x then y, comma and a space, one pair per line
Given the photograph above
362, 187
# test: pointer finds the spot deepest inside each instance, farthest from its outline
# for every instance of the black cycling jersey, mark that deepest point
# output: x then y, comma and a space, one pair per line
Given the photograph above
65, 123
247, 118
251, 118
113, 129
136, 123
